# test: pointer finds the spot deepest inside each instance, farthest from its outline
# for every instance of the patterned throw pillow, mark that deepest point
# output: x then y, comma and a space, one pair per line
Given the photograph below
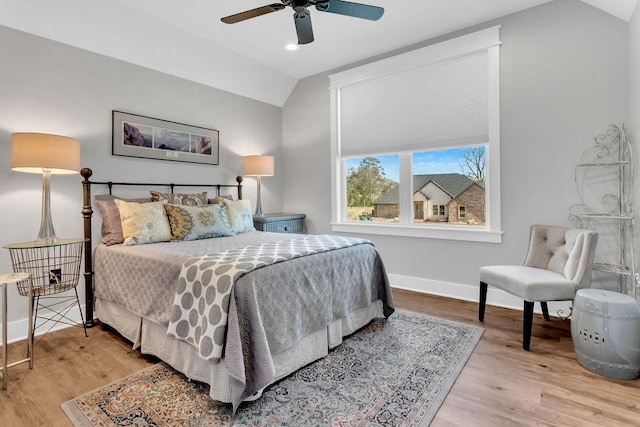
239, 212
198, 222
186, 199
143, 222
216, 200
111, 224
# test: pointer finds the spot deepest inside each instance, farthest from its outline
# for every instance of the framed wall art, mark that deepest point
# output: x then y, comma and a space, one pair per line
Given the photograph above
140, 136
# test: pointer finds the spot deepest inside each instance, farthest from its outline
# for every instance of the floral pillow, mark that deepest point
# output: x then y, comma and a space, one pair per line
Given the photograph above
187, 199
198, 222
239, 212
143, 222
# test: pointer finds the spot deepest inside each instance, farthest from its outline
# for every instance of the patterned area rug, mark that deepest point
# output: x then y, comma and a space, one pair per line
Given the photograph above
392, 372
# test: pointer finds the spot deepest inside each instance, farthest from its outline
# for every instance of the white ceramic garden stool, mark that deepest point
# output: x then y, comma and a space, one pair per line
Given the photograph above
605, 328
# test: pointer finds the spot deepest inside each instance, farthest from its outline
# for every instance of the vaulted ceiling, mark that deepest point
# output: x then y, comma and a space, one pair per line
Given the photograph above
187, 39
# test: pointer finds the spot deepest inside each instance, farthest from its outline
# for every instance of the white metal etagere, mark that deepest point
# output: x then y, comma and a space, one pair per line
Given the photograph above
604, 182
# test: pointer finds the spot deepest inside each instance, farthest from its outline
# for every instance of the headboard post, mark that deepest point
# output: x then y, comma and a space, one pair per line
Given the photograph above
87, 212
239, 181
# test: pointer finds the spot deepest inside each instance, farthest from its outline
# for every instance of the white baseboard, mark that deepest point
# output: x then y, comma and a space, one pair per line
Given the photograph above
496, 297
17, 330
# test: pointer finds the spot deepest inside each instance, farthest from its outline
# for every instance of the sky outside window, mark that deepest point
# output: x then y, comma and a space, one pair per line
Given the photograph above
425, 162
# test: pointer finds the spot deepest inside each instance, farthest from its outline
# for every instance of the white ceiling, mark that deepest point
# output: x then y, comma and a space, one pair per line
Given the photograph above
187, 39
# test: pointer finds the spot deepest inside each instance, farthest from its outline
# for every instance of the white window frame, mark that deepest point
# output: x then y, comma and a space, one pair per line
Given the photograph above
488, 40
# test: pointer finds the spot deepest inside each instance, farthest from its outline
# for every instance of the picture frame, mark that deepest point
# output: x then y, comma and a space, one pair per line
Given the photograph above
150, 138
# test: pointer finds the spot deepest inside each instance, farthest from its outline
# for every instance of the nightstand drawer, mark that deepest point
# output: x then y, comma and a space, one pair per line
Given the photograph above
280, 222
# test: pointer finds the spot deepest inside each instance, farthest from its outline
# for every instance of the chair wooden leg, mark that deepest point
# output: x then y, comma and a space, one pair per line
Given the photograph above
483, 301
527, 321
545, 310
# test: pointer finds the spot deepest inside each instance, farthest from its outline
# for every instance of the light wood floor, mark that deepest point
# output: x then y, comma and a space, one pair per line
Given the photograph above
501, 385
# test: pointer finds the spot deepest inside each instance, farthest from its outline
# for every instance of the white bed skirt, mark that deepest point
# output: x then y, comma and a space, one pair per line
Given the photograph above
151, 338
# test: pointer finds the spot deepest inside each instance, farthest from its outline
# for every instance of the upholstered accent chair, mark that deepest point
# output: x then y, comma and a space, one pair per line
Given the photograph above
557, 264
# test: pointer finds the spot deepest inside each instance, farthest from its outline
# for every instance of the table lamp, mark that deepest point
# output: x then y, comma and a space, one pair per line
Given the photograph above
258, 166
45, 154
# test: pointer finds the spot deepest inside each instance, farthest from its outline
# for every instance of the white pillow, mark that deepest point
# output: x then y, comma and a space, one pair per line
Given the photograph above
143, 222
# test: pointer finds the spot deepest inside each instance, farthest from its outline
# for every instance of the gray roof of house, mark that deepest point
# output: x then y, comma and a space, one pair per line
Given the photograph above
452, 183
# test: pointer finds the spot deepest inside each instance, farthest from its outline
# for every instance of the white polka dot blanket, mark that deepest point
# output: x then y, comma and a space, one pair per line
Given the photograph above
201, 304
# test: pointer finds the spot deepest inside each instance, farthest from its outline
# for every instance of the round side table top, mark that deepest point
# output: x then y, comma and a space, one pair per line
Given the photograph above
13, 277
604, 295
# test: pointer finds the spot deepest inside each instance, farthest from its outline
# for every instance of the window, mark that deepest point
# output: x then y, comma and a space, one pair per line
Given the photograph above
395, 121
372, 188
440, 178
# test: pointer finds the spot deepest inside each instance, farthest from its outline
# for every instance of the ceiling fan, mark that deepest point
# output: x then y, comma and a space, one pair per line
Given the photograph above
302, 17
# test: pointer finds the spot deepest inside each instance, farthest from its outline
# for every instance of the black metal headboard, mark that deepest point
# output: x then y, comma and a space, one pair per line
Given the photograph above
87, 213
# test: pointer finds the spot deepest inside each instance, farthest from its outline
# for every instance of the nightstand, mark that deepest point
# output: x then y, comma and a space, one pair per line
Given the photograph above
280, 222
54, 268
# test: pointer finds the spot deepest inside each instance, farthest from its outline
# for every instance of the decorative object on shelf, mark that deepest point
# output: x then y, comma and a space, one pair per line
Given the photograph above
280, 222
140, 136
45, 154
604, 181
258, 166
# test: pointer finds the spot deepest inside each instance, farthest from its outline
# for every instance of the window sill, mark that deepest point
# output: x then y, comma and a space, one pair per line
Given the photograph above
463, 233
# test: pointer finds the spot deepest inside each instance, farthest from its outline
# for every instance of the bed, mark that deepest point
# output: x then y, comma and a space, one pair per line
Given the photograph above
238, 311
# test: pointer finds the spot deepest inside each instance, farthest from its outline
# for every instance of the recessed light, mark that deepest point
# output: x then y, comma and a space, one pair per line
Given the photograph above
291, 46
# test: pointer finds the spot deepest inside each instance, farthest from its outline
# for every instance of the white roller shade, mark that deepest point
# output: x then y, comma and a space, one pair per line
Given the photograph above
440, 104
437, 96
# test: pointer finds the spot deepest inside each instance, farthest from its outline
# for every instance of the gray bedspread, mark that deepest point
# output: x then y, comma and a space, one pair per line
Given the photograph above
320, 288
201, 302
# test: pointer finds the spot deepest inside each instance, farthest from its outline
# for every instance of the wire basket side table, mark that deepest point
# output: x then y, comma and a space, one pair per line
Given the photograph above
55, 268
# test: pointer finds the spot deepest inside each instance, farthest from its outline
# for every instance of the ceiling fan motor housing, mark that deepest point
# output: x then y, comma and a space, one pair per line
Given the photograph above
322, 4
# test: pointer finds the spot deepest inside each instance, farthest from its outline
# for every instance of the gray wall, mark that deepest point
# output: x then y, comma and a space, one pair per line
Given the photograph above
564, 75
53, 88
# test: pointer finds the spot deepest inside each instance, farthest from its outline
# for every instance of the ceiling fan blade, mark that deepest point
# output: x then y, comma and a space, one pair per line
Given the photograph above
356, 10
248, 14
304, 29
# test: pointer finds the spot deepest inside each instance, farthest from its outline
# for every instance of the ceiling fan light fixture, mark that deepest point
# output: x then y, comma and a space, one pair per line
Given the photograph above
291, 46
302, 17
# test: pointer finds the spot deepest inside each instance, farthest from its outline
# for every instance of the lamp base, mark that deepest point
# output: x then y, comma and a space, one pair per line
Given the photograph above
258, 200
46, 233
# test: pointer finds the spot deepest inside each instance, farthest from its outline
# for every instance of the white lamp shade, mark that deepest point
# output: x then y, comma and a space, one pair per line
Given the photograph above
258, 166
33, 152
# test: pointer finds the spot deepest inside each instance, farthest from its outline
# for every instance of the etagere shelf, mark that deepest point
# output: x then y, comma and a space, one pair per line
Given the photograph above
604, 182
